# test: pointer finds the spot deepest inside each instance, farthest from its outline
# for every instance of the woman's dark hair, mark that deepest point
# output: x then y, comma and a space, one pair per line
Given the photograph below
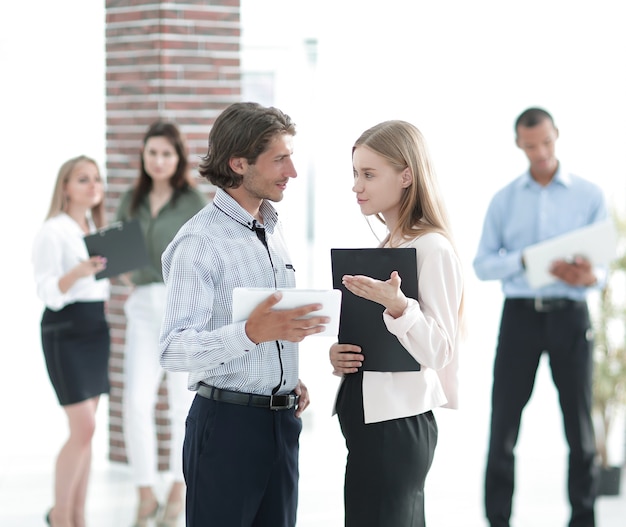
180, 181
242, 130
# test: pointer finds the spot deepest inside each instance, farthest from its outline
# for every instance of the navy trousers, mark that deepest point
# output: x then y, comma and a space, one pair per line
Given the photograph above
240, 465
525, 334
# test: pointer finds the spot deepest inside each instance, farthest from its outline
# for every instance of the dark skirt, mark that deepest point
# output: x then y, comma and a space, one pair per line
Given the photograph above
387, 463
76, 346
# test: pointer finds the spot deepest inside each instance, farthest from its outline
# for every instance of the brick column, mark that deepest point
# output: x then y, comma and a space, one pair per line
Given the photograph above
176, 60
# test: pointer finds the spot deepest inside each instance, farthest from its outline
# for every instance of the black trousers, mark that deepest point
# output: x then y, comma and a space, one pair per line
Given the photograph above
525, 334
240, 465
387, 463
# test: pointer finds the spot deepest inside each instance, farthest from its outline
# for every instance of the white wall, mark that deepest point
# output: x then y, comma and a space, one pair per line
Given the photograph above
51, 108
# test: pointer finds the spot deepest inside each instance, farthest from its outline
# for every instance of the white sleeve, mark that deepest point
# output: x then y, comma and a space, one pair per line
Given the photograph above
428, 328
47, 259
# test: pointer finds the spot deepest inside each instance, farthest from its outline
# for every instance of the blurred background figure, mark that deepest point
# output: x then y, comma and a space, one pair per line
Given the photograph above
74, 331
545, 201
163, 198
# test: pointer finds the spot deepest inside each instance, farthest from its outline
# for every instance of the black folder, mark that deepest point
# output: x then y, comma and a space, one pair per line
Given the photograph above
122, 244
361, 321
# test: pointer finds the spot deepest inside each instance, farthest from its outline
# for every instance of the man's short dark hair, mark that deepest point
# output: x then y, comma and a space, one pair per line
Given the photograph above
532, 117
244, 129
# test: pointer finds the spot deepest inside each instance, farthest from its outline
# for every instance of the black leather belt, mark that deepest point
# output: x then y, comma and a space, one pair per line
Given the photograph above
545, 305
273, 402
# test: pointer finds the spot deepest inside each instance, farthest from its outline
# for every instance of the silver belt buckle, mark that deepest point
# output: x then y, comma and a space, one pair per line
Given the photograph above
538, 304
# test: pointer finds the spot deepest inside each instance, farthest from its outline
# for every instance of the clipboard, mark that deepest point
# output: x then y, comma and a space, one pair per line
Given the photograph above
122, 244
245, 299
596, 242
361, 321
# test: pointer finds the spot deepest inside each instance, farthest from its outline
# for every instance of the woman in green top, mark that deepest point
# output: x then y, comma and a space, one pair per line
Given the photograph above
163, 198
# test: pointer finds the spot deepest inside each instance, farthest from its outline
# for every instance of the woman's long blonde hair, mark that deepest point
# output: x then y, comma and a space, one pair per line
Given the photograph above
58, 203
422, 209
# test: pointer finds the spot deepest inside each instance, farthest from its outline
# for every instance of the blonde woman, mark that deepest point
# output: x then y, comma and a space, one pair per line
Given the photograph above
386, 417
74, 331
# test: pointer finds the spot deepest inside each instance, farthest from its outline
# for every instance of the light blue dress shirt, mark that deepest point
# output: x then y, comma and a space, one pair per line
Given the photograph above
524, 213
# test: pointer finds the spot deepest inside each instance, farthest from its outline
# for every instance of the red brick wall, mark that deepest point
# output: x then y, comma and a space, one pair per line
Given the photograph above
176, 60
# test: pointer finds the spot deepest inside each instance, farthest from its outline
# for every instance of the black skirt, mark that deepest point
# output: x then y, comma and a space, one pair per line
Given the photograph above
387, 462
76, 345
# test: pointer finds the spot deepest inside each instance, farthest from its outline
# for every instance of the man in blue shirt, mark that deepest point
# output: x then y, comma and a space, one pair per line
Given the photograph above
544, 202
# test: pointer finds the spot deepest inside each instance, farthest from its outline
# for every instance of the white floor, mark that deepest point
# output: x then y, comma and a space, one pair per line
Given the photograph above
33, 428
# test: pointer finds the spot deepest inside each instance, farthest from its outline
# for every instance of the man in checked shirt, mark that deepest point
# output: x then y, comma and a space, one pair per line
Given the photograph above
240, 456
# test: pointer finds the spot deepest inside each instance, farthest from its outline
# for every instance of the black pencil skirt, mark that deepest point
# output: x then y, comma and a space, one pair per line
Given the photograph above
387, 463
76, 346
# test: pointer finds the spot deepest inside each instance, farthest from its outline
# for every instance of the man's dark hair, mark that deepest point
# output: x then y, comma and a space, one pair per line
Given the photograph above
245, 130
532, 117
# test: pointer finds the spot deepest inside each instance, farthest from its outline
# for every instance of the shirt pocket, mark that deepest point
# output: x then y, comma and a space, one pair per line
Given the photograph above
285, 274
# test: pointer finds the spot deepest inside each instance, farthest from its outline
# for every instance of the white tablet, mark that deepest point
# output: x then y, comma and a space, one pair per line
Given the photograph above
245, 299
596, 242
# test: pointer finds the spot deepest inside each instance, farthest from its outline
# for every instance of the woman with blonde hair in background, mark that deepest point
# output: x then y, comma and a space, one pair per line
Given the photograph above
163, 198
386, 417
74, 331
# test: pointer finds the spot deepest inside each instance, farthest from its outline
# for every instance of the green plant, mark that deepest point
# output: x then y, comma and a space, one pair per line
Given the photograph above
609, 378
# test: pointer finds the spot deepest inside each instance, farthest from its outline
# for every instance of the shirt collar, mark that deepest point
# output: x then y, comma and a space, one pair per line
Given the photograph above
225, 202
65, 217
561, 177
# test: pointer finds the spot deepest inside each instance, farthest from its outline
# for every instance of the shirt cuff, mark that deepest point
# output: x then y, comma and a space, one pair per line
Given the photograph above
235, 338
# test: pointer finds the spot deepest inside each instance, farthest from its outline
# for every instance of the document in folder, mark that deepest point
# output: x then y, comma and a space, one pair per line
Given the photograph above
360, 320
596, 242
122, 244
